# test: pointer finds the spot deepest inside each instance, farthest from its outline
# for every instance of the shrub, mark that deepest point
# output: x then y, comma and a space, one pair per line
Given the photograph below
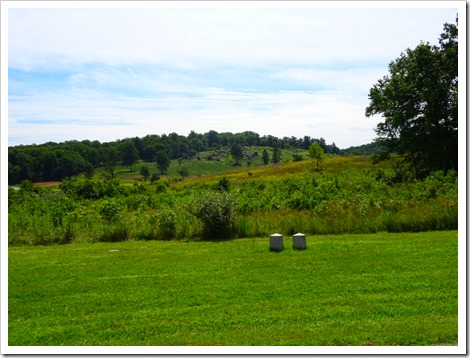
110, 211
167, 225
216, 212
223, 184
26, 185
297, 158
91, 188
161, 187
184, 172
145, 172
154, 178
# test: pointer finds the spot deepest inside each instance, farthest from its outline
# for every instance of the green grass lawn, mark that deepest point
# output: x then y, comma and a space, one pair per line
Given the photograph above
381, 289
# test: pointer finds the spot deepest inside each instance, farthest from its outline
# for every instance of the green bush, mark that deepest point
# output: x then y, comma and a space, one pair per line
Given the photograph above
110, 211
223, 185
155, 177
297, 158
160, 187
167, 225
217, 214
94, 188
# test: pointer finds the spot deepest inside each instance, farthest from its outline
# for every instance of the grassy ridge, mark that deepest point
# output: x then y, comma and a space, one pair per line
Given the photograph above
332, 165
210, 163
380, 289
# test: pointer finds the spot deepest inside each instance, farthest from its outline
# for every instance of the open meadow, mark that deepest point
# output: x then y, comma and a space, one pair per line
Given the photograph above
185, 260
377, 289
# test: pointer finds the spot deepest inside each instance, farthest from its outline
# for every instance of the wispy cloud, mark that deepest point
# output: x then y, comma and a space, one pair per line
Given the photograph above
112, 73
278, 113
192, 37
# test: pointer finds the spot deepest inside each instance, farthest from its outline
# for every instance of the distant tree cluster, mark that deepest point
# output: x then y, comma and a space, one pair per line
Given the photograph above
365, 149
55, 161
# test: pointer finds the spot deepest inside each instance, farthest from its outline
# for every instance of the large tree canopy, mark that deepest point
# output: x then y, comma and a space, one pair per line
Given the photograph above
418, 101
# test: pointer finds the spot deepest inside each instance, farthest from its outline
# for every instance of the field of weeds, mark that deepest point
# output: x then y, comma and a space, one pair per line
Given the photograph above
349, 195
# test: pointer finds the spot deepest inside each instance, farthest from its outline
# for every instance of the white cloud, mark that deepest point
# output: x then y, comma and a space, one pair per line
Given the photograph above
55, 37
92, 115
357, 80
130, 72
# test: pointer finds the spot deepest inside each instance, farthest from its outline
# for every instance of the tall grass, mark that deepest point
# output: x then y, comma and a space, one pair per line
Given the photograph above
285, 200
336, 219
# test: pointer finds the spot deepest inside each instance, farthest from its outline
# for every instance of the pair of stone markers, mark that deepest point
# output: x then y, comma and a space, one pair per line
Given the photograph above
276, 242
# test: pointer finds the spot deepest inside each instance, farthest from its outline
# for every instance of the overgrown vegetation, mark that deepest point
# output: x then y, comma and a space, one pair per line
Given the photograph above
349, 195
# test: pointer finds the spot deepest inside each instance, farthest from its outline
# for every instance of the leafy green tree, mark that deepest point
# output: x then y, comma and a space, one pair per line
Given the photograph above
236, 151
196, 142
418, 101
183, 171
138, 144
26, 185
334, 149
111, 158
163, 161
12, 173
130, 154
212, 139
22, 165
85, 148
316, 153
276, 158
145, 172
176, 144
46, 164
265, 156
71, 163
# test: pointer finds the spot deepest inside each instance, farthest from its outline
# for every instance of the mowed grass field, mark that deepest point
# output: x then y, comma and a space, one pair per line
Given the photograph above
378, 289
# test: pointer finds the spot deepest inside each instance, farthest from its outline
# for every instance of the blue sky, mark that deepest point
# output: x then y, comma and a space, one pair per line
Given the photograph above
285, 69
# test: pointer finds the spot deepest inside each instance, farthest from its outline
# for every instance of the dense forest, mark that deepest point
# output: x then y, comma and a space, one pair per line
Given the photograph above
55, 161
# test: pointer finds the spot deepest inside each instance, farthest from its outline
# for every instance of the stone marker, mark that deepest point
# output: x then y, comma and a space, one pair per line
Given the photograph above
299, 241
276, 242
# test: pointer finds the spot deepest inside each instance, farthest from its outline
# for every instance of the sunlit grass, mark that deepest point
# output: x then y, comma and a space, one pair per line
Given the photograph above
204, 171
381, 289
331, 165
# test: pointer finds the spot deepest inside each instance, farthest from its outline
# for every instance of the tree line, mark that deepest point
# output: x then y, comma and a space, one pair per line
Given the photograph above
55, 161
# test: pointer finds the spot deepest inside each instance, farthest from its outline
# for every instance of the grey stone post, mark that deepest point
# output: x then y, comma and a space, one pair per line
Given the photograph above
299, 241
276, 242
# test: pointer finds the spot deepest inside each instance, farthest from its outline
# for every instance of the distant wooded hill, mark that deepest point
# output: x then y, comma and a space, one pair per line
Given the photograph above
54, 161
